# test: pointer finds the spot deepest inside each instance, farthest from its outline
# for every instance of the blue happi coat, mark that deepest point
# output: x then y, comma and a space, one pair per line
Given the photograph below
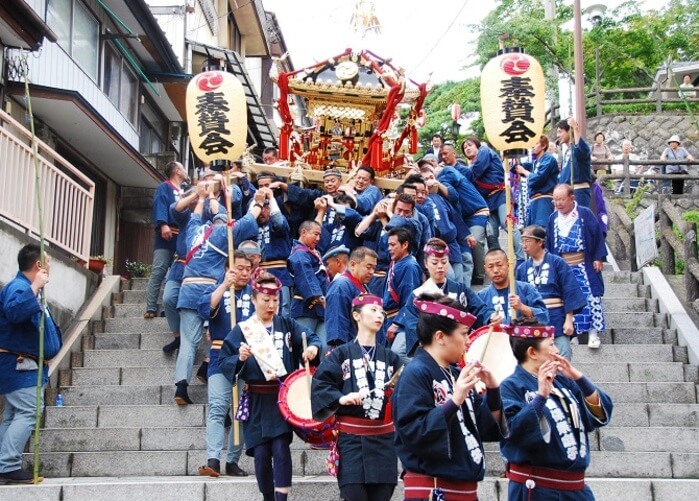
338, 229
20, 314
166, 194
403, 277
488, 175
455, 290
363, 459
219, 318
542, 181
274, 239
497, 299
444, 227
339, 326
580, 164
265, 421
433, 442
209, 258
554, 279
310, 281
591, 240
557, 438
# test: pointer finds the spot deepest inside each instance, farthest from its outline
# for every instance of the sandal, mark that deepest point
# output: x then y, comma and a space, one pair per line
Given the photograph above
149, 314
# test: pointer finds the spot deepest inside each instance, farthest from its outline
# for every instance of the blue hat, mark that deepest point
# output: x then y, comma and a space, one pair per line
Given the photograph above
336, 251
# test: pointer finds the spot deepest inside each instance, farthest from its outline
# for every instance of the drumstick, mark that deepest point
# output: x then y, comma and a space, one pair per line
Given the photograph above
391, 382
308, 368
261, 359
487, 342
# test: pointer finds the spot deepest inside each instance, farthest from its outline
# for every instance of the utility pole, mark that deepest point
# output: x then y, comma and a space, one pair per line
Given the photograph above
550, 15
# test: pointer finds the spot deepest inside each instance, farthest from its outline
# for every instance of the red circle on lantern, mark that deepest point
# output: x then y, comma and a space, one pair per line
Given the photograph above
515, 64
211, 80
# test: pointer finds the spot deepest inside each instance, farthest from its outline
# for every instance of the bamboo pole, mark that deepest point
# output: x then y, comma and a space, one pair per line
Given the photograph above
510, 235
231, 246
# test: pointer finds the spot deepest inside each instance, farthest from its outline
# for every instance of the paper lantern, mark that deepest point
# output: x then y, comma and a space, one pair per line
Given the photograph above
513, 100
217, 116
455, 111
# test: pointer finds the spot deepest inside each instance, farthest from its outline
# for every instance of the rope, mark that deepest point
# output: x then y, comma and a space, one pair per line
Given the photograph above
42, 297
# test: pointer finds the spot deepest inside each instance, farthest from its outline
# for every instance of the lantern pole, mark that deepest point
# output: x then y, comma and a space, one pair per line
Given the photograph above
510, 233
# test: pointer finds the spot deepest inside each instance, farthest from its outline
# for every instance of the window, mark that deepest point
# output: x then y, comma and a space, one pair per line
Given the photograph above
120, 84
78, 32
153, 130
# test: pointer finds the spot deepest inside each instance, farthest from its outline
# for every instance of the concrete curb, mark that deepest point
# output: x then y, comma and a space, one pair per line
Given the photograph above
669, 304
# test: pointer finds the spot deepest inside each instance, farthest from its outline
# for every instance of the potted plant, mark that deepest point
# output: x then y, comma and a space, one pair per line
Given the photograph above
97, 263
137, 269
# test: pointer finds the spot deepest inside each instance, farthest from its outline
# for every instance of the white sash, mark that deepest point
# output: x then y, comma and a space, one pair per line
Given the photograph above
263, 349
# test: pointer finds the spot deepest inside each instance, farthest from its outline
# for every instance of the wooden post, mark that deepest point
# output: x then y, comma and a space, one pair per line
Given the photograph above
658, 97
627, 180
598, 94
690, 260
667, 253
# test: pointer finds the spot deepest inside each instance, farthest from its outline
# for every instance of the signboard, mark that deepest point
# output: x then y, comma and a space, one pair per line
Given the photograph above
513, 100
644, 235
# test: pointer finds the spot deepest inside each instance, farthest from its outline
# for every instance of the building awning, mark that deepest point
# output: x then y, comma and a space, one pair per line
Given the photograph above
22, 27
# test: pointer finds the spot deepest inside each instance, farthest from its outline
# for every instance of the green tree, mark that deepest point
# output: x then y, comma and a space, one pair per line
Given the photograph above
631, 44
438, 106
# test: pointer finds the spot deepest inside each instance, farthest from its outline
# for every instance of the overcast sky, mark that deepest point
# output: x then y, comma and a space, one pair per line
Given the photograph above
432, 38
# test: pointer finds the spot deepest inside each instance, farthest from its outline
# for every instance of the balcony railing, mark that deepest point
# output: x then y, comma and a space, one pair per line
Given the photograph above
67, 195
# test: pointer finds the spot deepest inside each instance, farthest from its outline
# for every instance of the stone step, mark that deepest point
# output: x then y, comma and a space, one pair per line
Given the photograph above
139, 416
629, 304
634, 373
307, 488
135, 284
134, 297
625, 319
127, 394
609, 353
135, 324
131, 341
621, 277
126, 376
129, 310
605, 464
613, 290
134, 358
649, 439
640, 335
676, 393
108, 416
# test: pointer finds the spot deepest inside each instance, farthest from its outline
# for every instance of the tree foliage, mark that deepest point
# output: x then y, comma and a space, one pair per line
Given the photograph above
631, 44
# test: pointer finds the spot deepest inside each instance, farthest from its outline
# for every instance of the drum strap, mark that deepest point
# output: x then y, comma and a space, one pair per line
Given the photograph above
420, 486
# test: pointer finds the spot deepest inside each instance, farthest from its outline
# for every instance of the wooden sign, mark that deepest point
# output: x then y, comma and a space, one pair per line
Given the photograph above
217, 116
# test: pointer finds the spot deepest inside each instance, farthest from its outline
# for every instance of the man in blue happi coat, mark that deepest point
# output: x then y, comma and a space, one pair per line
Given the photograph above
20, 316
526, 301
208, 252
556, 283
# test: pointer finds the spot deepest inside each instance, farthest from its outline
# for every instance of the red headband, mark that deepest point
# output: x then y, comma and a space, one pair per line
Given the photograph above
363, 299
265, 288
530, 331
432, 308
433, 251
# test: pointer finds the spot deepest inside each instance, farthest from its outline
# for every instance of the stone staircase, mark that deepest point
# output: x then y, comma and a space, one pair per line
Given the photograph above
122, 435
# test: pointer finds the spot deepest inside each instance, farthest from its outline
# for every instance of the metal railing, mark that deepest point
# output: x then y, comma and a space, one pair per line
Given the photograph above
67, 195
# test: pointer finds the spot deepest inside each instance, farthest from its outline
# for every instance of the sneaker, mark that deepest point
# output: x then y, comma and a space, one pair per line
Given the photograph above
594, 342
181, 396
18, 477
149, 314
203, 372
212, 468
174, 345
233, 470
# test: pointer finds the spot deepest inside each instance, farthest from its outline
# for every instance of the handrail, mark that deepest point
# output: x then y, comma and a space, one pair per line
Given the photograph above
67, 194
